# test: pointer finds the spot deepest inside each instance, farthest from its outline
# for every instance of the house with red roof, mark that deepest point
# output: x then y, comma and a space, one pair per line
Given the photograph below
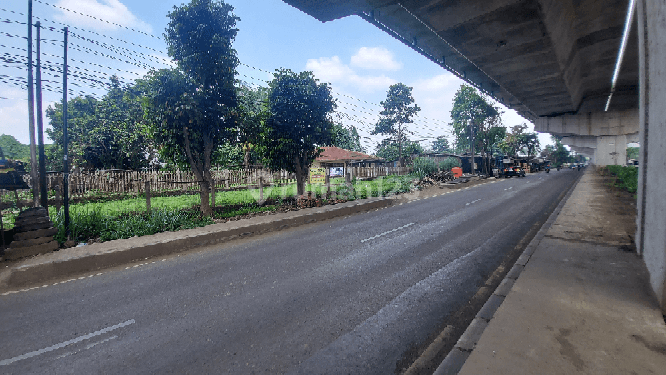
339, 159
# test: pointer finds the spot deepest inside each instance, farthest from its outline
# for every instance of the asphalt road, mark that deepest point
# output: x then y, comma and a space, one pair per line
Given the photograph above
347, 296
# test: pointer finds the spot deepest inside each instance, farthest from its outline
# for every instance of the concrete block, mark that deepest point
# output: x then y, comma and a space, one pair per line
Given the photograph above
22, 252
472, 335
489, 308
31, 242
453, 362
523, 259
515, 271
505, 287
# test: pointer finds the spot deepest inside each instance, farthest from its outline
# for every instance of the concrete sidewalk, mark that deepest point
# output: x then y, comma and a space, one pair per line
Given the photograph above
581, 305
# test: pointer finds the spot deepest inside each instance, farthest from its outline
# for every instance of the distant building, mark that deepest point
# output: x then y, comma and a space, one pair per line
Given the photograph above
337, 160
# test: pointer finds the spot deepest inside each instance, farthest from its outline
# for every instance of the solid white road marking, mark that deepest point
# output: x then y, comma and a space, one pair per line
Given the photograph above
6, 362
385, 233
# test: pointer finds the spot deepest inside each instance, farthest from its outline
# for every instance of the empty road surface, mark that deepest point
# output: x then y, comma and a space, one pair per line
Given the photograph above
346, 296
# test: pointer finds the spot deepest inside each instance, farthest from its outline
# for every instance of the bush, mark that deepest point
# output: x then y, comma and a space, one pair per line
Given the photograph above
627, 177
92, 224
449, 163
423, 167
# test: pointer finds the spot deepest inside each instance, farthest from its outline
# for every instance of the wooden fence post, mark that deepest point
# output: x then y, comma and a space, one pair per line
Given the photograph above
58, 202
261, 190
147, 197
212, 193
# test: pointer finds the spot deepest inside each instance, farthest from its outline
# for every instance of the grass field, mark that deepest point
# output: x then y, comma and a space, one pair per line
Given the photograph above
104, 221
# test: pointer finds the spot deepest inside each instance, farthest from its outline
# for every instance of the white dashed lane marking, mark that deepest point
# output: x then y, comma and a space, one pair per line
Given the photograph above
387, 232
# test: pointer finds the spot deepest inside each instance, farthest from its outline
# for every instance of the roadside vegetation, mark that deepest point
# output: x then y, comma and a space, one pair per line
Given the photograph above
110, 220
627, 177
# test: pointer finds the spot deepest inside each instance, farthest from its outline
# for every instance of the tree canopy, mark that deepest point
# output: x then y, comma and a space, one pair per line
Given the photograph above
13, 149
441, 145
192, 109
472, 114
299, 122
399, 110
346, 137
517, 140
388, 150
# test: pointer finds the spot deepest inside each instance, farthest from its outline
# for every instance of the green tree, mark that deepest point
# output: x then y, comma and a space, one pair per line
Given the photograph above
441, 145
103, 134
397, 113
633, 152
388, 150
11, 148
252, 112
346, 138
299, 123
477, 124
81, 117
558, 154
192, 109
517, 140
471, 114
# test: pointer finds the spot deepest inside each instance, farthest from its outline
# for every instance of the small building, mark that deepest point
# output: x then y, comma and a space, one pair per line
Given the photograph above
337, 160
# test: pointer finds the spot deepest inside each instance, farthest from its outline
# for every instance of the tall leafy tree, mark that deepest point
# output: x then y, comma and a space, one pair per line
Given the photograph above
13, 149
81, 117
399, 110
346, 138
252, 111
299, 123
518, 140
441, 145
475, 122
103, 134
192, 109
388, 150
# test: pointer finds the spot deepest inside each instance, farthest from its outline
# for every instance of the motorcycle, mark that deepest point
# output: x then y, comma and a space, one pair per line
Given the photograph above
548, 169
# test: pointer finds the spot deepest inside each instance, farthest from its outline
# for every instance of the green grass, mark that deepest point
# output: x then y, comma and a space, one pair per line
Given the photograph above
125, 218
627, 177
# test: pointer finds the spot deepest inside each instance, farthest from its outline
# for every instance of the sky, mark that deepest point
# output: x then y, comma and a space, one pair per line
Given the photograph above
124, 37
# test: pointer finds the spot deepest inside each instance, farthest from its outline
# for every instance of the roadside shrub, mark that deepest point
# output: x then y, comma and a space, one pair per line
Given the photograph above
449, 163
627, 177
423, 166
92, 224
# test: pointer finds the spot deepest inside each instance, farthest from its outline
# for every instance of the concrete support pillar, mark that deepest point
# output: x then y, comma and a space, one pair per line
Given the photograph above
651, 220
611, 150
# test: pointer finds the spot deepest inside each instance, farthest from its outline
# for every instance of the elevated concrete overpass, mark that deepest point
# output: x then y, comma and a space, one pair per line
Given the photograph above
554, 62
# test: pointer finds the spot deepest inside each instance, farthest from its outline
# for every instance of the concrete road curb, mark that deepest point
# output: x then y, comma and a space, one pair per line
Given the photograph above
82, 260
455, 360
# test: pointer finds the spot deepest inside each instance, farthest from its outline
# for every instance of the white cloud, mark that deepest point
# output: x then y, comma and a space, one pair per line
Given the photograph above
333, 70
375, 58
112, 11
435, 97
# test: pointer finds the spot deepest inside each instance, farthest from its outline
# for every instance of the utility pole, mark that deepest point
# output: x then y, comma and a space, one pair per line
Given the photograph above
43, 198
65, 163
31, 112
471, 146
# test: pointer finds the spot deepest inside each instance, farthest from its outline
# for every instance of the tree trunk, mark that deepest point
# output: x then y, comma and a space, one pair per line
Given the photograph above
199, 170
205, 198
301, 176
246, 159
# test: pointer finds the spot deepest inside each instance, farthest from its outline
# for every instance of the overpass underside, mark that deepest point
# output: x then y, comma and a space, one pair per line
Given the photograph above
555, 63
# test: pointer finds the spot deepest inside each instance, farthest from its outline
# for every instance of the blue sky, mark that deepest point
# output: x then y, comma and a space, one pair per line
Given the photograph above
359, 60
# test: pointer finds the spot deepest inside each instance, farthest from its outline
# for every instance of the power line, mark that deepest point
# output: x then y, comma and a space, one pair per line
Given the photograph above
99, 19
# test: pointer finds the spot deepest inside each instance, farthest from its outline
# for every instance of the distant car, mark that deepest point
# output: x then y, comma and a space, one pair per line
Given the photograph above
513, 171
